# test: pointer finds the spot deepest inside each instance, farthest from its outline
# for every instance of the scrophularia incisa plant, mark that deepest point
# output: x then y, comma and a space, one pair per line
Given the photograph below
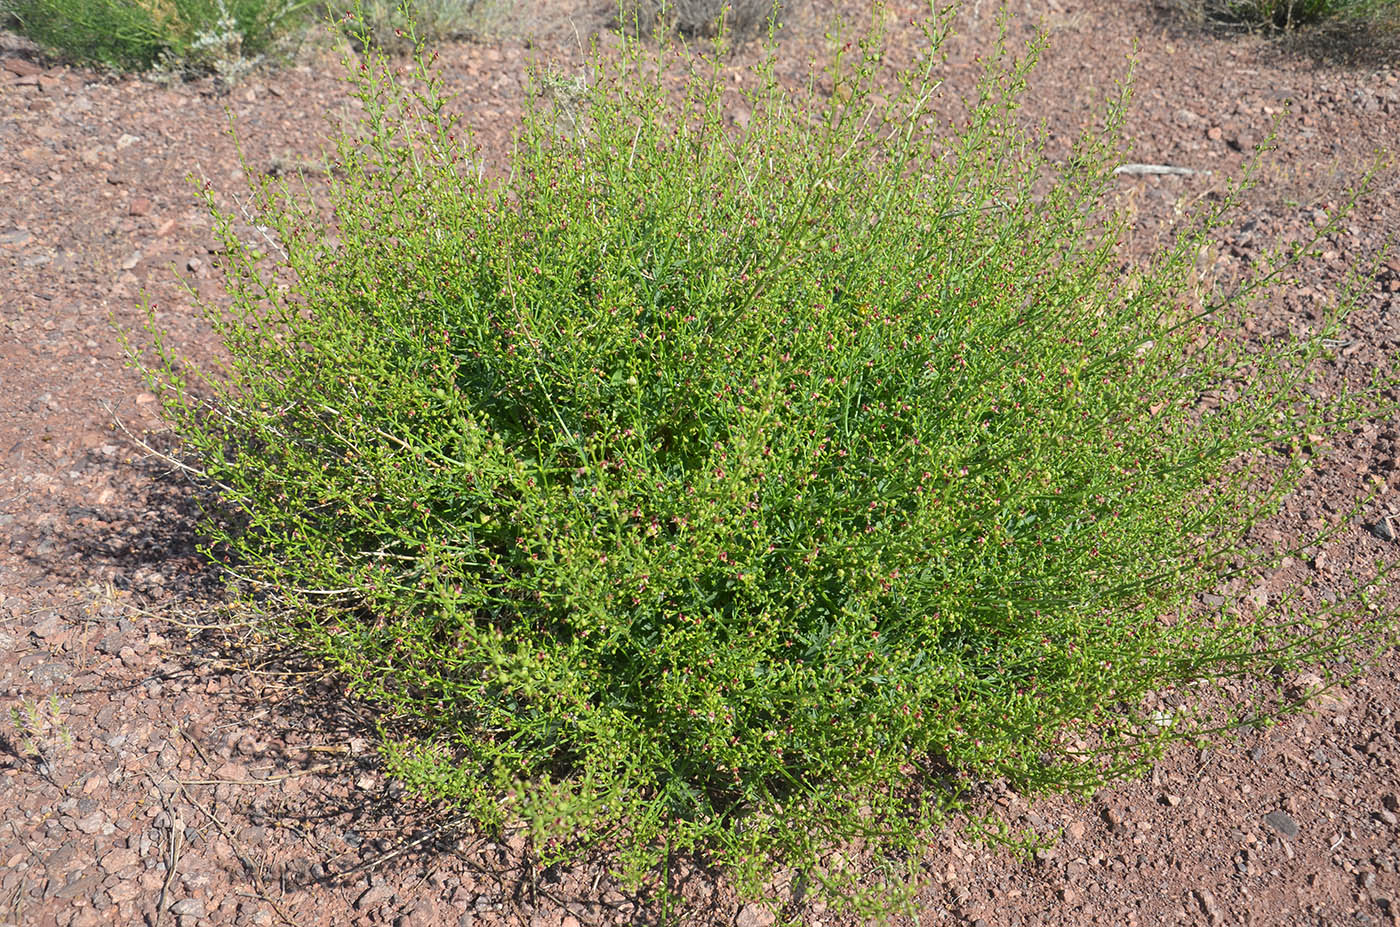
747, 491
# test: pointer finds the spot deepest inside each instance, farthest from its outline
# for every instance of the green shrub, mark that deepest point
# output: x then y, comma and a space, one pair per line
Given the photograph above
745, 493
737, 18
134, 35
396, 25
1286, 14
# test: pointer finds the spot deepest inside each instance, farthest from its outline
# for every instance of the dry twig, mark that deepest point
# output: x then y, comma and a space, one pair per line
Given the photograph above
177, 830
310, 770
393, 854
261, 893
1139, 169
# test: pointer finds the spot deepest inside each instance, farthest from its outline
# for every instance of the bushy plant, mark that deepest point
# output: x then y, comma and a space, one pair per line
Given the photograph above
135, 35
397, 25
737, 18
1287, 14
746, 492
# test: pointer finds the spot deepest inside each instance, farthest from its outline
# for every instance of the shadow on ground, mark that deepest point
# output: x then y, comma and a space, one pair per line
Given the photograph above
282, 764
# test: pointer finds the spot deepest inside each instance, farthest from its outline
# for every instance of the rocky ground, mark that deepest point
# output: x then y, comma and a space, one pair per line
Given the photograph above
160, 767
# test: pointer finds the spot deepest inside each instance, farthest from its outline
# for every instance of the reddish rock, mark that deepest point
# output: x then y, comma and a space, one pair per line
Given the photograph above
21, 67
374, 896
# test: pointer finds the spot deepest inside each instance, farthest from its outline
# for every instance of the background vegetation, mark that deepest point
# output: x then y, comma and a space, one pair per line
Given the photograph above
1289, 14
227, 37
192, 35
736, 18
395, 26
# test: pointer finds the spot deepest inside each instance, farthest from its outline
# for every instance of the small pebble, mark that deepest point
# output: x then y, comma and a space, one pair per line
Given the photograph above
373, 896
188, 907
1282, 822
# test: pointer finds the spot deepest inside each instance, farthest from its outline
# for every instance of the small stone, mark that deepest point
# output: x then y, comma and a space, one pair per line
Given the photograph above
139, 206
755, 915
119, 859
21, 68
49, 628
235, 771
79, 885
1075, 830
195, 882
111, 643
422, 914
1386, 816
91, 823
1282, 822
1390, 801
1310, 684
50, 674
124, 891
373, 897
1215, 133
1209, 906
1384, 529
188, 907
1069, 895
